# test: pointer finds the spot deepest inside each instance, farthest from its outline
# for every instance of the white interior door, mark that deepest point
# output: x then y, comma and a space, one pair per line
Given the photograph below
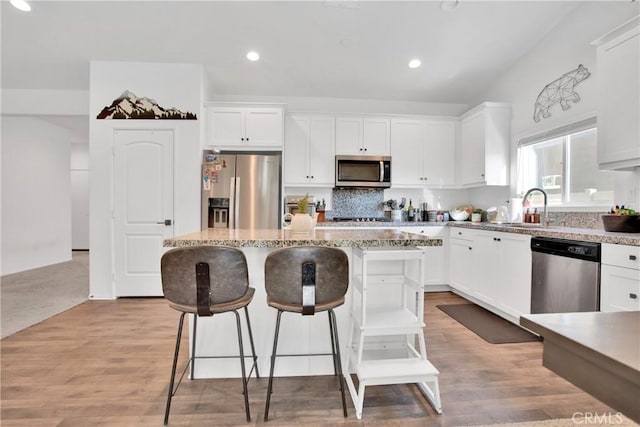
80, 209
143, 208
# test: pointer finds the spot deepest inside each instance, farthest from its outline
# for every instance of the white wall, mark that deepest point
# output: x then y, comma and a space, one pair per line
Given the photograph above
345, 105
562, 50
36, 194
171, 85
80, 195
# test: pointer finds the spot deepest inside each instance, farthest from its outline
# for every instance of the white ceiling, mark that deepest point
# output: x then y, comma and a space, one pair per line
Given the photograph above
354, 49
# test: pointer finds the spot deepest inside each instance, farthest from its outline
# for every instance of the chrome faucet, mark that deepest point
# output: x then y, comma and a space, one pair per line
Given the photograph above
545, 220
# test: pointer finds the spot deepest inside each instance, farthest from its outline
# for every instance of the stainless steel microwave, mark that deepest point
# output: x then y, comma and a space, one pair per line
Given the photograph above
363, 171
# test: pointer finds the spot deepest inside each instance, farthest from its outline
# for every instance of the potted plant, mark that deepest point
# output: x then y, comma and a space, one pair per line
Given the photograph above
302, 222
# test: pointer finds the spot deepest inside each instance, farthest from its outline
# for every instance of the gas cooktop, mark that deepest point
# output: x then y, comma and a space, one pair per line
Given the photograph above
363, 218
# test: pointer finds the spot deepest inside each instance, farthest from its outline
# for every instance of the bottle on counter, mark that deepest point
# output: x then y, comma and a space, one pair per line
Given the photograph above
536, 216
410, 212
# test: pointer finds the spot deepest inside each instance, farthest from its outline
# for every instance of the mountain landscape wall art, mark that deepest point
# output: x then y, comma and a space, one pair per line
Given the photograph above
129, 106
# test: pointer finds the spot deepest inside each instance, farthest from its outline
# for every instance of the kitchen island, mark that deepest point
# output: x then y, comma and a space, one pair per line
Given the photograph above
307, 334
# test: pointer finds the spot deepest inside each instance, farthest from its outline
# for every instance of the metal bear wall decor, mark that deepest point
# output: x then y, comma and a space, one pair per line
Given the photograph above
561, 90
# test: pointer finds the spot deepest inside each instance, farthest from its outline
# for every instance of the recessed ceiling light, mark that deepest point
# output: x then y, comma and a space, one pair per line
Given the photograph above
415, 63
253, 56
21, 4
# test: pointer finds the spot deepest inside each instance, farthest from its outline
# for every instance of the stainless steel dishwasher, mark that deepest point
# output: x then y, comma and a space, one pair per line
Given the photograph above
565, 275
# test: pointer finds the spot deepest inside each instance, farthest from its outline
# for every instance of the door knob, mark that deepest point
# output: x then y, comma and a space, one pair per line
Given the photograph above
165, 222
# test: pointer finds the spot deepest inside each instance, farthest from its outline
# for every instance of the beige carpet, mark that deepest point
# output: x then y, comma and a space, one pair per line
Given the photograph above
32, 296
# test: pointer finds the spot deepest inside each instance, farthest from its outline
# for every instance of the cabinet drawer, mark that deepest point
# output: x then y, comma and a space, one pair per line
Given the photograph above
435, 231
620, 289
462, 233
621, 255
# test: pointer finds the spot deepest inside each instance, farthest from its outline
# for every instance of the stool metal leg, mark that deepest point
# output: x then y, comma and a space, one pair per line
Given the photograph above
244, 373
253, 349
273, 362
193, 346
173, 368
334, 332
333, 344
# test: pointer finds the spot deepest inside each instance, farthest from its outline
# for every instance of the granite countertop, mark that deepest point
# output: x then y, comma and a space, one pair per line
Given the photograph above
274, 238
586, 234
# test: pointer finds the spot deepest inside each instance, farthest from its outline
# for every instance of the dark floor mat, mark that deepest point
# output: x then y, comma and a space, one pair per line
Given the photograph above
488, 326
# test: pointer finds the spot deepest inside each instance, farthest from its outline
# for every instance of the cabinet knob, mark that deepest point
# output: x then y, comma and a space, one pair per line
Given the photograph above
498, 239
633, 257
365, 149
470, 248
482, 175
459, 233
633, 296
360, 149
247, 139
312, 176
241, 139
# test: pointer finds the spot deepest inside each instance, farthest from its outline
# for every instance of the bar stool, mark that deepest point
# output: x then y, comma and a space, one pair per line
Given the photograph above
203, 281
307, 280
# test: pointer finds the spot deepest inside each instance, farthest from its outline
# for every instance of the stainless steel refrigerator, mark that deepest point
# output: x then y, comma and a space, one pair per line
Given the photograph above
241, 190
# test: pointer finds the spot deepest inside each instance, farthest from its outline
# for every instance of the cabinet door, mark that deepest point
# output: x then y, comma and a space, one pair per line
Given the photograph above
322, 150
406, 152
472, 137
618, 124
460, 264
226, 126
263, 127
619, 289
514, 269
375, 136
296, 150
439, 154
349, 135
485, 284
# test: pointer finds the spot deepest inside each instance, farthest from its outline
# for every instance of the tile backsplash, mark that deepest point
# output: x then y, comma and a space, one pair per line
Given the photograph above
364, 202
576, 219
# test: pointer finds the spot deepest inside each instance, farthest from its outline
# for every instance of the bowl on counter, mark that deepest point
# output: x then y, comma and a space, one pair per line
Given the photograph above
459, 214
621, 223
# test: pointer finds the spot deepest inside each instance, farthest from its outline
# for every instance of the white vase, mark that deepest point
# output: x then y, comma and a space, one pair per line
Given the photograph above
302, 223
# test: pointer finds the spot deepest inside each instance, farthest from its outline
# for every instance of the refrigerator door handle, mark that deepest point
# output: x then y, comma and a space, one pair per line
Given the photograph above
232, 202
236, 202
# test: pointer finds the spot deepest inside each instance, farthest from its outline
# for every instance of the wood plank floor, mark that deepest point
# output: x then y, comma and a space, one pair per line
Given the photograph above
107, 363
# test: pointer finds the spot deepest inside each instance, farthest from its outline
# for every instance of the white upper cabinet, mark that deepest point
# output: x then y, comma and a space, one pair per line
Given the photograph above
309, 150
618, 97
362, 136
244, 127
484, 145
423, 152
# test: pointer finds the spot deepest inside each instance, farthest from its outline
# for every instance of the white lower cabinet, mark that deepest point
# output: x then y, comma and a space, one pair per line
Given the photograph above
461, 259
494, 268
435, 257
620, 278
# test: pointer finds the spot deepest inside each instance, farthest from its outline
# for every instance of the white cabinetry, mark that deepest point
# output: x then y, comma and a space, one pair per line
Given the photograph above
620, 278
502, 266
618, 97
484, 145
309, 150
435, 260
461, 259
493, 268
423, 152
357, 135
244, 128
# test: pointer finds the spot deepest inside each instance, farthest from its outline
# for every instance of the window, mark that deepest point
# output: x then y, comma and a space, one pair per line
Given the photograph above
563, 162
